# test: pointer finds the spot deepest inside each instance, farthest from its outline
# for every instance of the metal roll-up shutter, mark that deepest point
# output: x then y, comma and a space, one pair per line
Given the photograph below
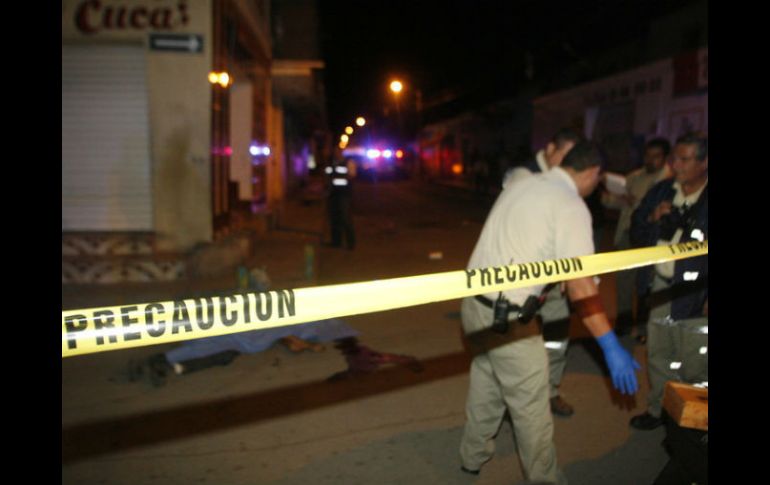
106, 184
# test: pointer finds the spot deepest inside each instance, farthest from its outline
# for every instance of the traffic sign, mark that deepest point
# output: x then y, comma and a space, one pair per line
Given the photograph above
177, 42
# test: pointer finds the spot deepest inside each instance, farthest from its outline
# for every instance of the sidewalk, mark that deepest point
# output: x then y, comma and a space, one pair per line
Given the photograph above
288, 252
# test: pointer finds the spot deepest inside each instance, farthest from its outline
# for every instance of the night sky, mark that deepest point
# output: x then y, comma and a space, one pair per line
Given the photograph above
463, 46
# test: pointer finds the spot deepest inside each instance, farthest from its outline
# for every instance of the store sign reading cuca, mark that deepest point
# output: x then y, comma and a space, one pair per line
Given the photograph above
94, 16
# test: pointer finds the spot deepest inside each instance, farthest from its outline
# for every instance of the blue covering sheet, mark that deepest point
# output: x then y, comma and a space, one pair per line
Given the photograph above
259, 340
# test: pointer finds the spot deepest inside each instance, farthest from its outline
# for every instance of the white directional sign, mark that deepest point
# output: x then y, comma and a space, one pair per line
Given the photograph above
177, 42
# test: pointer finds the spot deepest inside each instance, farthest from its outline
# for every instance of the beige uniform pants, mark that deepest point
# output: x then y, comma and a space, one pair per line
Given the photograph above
513, 377
555, 314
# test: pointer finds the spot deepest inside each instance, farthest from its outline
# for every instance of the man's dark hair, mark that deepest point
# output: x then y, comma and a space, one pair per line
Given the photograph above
584, 155
661, 143
564, 136
701, 142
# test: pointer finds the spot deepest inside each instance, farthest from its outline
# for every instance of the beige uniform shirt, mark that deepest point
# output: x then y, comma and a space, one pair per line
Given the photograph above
520, 172
536, 218
638, 183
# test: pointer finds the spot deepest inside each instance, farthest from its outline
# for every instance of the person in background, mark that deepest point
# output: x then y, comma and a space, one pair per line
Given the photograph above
638, 182
341, 173
675, 211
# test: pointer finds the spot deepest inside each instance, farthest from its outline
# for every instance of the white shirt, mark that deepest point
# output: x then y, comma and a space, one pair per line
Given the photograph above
536, 218
518, 173
638, 183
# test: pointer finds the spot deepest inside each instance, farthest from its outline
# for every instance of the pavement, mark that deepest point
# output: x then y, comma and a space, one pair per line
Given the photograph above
272, 418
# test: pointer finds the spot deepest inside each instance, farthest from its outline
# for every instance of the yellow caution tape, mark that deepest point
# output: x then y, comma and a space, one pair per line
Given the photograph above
119, 327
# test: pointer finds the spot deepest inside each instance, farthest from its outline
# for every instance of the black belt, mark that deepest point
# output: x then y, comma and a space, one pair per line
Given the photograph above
487, 339
491, 304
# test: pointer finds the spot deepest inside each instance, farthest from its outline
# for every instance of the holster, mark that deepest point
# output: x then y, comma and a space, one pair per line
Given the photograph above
487, 339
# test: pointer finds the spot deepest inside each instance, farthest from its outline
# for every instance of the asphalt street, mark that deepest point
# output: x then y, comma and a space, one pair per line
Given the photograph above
272, 418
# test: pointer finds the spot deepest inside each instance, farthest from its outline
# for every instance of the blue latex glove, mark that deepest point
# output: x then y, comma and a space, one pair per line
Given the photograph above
622, 365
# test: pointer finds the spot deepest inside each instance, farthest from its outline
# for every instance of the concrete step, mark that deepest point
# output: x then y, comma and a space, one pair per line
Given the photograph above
106, 243
123, 268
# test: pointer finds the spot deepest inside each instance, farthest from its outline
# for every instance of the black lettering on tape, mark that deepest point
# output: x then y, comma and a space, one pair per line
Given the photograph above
469, 274
548, 268
181, 318
499, 279
125, 317
104, 319
577, 263
564, 265
74, 324
264, 305
246, 308
523, 272
205, 323
233, 317
161, 325
535, 267
510, 273
486, 277
286, 299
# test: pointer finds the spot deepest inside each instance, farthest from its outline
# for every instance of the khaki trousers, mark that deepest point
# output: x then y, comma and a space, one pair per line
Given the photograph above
513, 377
555, 314
677, 350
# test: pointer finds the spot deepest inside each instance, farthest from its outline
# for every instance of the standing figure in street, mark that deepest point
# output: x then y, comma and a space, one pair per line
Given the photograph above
537, 218
341, 173
675, 211
638, 182
555, 312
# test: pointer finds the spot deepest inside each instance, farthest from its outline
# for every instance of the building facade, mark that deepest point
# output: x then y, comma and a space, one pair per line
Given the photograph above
170, 128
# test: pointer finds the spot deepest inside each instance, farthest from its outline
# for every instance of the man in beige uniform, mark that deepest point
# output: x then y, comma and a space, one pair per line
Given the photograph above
542, 217
555, 311
638, 182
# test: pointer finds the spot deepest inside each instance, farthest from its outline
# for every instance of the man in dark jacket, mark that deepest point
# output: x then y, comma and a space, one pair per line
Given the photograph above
341, 172
675, 211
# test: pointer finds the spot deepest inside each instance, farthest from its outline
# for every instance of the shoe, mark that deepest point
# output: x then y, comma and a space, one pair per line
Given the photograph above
472, 472
645, 422
157, 370
560, 407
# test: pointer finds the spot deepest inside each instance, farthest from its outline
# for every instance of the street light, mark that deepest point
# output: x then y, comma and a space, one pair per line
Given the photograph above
221, 78
396, 87
360, 121
349, 130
